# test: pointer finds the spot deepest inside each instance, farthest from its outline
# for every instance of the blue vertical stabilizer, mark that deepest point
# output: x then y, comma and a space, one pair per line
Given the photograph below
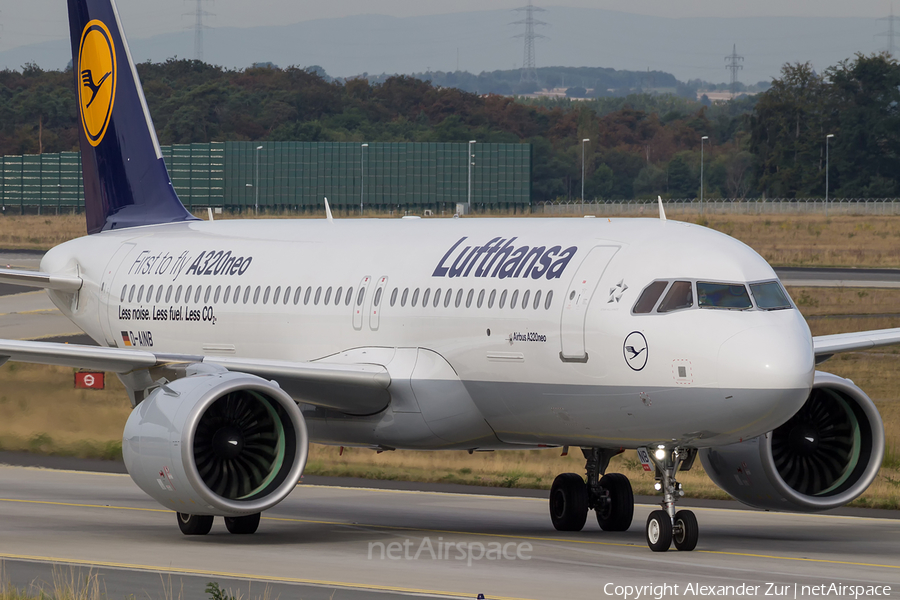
126, 183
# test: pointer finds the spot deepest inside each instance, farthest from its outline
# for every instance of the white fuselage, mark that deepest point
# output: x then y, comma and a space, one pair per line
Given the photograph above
442, 305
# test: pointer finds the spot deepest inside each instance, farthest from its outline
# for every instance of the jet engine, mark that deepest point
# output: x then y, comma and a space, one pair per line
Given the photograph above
823, 457
220, 443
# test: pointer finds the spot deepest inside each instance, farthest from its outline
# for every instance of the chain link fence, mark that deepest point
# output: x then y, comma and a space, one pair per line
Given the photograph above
728, 206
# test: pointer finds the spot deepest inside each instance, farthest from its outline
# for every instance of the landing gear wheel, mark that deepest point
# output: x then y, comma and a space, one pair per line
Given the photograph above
616, 511
242, 525
568, 502
686, 531
194, 524
659, 531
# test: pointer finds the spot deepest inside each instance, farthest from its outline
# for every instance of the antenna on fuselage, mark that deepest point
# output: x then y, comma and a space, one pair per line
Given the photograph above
328, 212
662, 211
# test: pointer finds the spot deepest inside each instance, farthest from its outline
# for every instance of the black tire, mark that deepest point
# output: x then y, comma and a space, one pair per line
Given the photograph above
242, 525
568, 502
659, 531
686, 531
617, 511
194, 524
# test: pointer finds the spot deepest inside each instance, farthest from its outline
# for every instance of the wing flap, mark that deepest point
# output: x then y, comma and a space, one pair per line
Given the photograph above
60, 283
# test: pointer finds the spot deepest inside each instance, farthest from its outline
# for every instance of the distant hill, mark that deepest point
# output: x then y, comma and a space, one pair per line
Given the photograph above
688, 48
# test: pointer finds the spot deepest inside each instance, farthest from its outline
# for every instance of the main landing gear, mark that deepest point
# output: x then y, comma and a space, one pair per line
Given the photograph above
667, 526
201, 524
609, 495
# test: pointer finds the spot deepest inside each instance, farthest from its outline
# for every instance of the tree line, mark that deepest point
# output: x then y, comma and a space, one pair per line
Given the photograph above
640, 145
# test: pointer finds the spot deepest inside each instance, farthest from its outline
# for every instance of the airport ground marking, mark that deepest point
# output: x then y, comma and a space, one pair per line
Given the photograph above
247, 576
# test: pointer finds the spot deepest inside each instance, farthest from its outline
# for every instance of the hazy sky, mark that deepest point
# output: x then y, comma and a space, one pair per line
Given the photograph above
32, 21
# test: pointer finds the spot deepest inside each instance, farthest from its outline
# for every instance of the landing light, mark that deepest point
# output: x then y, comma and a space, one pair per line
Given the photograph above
657, 486
660, 454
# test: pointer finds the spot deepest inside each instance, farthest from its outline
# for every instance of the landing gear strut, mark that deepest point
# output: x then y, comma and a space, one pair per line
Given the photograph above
668, 525
609, 495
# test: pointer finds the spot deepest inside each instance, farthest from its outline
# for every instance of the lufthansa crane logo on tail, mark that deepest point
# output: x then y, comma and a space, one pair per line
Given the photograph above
97, 80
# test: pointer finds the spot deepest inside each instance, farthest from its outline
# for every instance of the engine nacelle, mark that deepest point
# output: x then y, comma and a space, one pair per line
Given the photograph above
226, 444
823, 457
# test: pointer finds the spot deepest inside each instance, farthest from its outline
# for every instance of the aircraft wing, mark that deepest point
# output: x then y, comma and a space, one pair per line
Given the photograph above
351, 388
826, 346
61, 283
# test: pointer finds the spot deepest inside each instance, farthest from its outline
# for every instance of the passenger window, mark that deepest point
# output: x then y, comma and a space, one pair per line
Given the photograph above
425, 297
502, 299
469, 298
287, 295
394, 296
327, 297
124, 291
187, 293
525, 299
377, 300
307, 295
207, 294
459, 296
361, 296
415, 297
178, 295
150, 294
247, 294
722, 295
491, 298
318, 295
131, 293
169, 294
349, 297
404, 296
537, 299
549, 300
437, 297
297, 295
266, 294
480, 298
227, 295
648, 297
277, 295
237, 295
680, 295
159, 292
448, 298
140, 294
338, 295
770, 296
197, 294
515, 299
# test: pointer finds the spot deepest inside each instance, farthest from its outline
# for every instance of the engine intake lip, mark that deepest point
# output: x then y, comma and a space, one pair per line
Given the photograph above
867, 464
292, 457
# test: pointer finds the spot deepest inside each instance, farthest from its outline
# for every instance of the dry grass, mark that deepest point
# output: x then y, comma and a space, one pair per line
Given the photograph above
789, 240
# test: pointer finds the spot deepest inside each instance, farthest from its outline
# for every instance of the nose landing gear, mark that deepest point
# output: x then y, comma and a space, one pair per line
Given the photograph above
667, 526
609, 495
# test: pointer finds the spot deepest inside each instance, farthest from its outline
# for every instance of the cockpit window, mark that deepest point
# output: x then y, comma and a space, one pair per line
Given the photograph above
649, 296
680, 296
769, 295
723, 295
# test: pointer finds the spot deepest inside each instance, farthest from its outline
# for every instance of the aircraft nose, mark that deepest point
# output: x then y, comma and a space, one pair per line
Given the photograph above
773, 357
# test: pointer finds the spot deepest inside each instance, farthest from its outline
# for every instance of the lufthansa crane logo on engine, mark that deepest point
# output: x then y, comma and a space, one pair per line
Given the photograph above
635, 350
97, 77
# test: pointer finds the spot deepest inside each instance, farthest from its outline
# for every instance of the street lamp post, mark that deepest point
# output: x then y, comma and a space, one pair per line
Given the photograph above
703, 139
582, 173
362, 177
471, 161
827, 137
256, 185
